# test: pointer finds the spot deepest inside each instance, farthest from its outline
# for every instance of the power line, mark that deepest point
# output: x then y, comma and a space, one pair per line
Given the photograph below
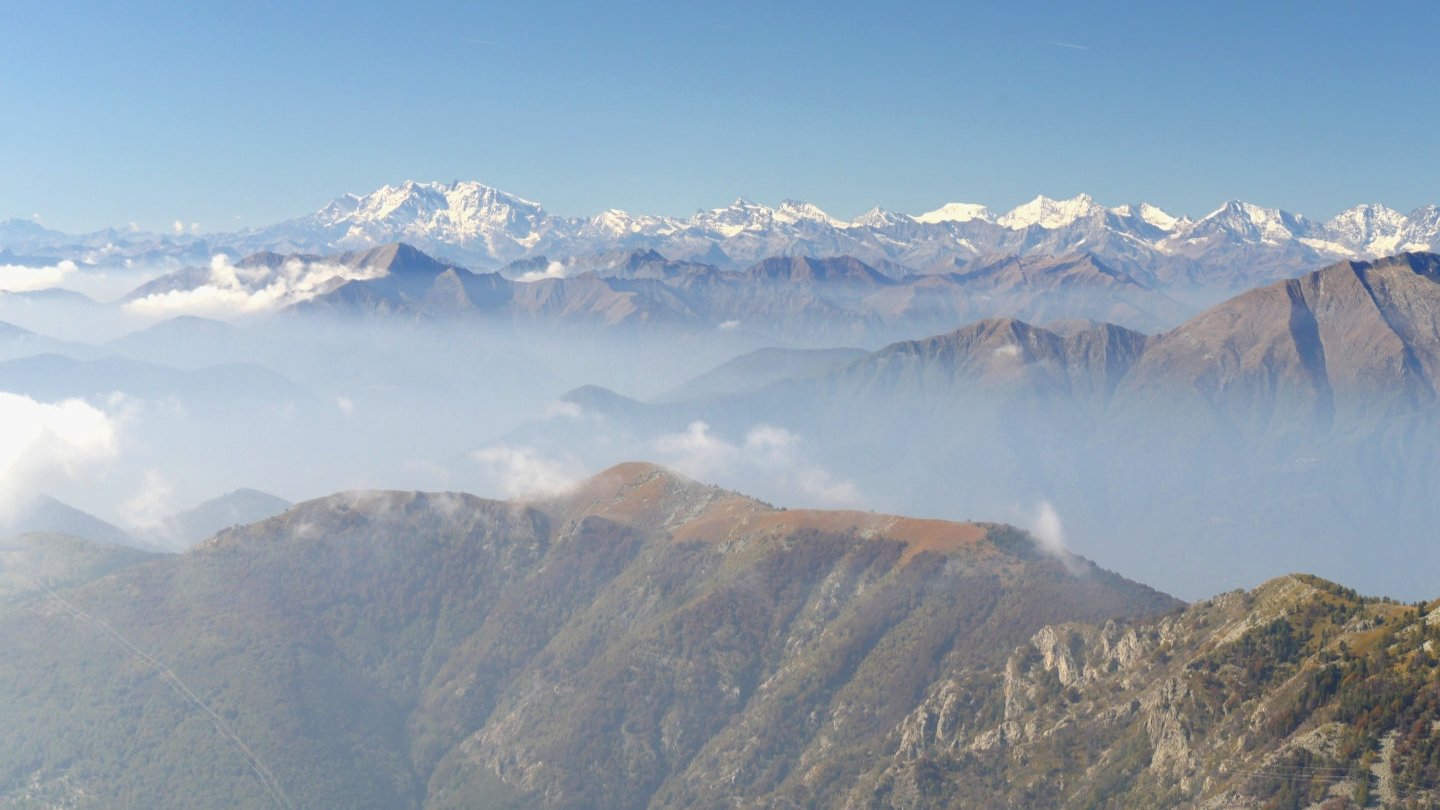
266, 776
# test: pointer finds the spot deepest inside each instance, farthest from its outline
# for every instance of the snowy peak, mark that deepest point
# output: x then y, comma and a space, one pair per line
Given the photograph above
792, 212
1376, 230
880, 218
738, 217
956, 212
615, 224
460, 213
1052, 214
1253, 224
1160, 218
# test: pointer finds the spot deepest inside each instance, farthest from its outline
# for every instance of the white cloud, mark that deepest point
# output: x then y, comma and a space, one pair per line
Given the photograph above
560, 409
234, 290
19, 278
769, 457
1008, 350
345, 404
177, 227
698, 453
552, 270
42, 444
1046, 527
1049, 532
727, 326
522, 472
149, 507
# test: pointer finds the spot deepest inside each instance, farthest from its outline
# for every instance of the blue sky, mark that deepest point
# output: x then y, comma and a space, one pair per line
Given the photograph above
241, 114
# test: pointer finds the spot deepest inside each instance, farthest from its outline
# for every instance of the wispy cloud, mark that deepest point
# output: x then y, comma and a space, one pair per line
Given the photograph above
1071, 45
151, 504
1045, 526
768, 456
552, 270
523, 472
231, 289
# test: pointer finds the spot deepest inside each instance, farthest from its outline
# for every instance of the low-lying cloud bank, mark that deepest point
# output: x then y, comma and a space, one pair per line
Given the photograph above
231, 289
20, 278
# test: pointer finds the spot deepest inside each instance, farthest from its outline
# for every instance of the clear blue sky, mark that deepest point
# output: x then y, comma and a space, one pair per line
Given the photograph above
240, 114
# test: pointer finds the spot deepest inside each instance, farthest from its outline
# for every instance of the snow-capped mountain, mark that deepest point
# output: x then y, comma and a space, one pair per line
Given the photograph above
1051, 214
880, 218
1377, 230
956, 212
1248, 223
1238, 244
462, 217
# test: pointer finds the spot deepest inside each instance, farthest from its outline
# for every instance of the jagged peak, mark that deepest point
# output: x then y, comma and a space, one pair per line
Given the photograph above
878, 217
791, 211
1050, 213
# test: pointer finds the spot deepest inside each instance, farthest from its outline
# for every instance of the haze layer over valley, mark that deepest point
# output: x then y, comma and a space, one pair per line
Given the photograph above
1050, 361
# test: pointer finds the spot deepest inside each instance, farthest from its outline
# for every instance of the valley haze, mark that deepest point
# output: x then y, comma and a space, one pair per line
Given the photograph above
1189, 399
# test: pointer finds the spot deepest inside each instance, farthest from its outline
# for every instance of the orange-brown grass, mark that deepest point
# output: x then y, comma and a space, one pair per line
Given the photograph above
941, 536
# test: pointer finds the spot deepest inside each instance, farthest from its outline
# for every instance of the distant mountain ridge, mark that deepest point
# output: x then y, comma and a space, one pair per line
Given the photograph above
487, 227
1238, 244
814, 299
1275, 414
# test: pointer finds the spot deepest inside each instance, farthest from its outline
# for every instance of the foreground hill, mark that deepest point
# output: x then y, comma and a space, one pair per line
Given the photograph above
649, 641
645, 640
1298, 694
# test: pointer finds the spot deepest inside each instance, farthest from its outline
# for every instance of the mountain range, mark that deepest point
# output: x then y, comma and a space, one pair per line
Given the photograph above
798, 298
1237, 245
1302, 411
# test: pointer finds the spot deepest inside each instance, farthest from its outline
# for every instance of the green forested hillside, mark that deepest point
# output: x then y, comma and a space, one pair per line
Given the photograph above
1298, 694
646, 640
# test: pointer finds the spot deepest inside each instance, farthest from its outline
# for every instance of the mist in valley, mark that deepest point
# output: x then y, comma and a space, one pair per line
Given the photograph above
197, 382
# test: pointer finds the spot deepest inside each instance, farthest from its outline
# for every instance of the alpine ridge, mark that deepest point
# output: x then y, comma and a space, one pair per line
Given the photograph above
1237, 245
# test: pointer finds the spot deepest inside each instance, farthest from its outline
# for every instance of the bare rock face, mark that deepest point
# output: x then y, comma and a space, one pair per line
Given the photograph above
1234, 701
